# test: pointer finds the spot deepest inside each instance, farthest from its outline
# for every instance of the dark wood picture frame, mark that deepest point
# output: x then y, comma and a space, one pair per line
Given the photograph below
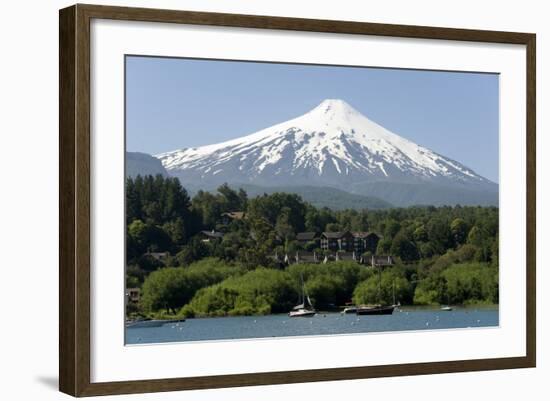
74, 199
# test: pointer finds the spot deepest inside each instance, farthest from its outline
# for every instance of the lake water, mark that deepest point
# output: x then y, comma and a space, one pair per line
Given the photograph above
225, 328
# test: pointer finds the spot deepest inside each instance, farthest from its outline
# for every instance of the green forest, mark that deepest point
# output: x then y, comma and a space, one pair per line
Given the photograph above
444, 255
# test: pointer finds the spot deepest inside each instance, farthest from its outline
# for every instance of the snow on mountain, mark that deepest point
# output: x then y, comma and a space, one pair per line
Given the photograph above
331, 145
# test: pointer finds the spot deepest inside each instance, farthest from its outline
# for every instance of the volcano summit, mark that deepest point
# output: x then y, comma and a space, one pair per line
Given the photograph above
334, 145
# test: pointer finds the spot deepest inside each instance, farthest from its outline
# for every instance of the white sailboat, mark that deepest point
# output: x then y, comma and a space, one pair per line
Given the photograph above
448, 307
304, 307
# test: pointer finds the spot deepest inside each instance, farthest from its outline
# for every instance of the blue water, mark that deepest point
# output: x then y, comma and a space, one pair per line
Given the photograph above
224, 328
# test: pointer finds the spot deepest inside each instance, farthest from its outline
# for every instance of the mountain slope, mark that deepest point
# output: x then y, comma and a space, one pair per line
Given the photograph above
143, 164
409, 194
333, 198
333, 145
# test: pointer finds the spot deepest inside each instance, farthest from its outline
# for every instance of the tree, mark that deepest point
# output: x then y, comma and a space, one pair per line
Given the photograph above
232, 200
439, 234
147, 238
137, 235
132, 281
167, 289
426, 249
193, 251
176, 230
459, 231
420, 234
324, 290
148, 263
243, 199
475, 236
152, 212
404, 248
333, 227
494, 252
261, 230
254, 257
209, 207
133, 201
232, 242
360, 222
269, 208
176, 199
313, 221
384, 246
283, 227
156, 200
392, 227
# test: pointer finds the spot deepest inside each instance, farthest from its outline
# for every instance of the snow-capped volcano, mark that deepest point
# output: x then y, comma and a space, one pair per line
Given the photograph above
331, 145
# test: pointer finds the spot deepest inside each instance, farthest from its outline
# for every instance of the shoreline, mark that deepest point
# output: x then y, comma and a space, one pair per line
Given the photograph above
405, 308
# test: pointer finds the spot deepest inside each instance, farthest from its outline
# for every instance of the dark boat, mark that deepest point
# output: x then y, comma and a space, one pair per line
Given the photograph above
378, 309
375, 310
350, 309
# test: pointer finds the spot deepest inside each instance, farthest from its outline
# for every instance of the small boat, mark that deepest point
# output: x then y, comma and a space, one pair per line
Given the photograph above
375, 310
304, 307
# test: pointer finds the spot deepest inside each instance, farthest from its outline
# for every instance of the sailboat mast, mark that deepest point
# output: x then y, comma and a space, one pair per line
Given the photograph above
379, 283
303, 291
393, 290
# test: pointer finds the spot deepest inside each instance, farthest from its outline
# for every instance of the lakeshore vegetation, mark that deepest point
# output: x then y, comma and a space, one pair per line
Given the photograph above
444, 255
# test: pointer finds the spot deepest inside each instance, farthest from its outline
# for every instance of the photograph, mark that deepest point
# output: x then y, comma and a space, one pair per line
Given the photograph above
268, 199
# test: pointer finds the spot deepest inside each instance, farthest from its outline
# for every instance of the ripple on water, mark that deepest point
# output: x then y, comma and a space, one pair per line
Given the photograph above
241, 327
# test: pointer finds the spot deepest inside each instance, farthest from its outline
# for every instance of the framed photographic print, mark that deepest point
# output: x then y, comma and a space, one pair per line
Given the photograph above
250, 200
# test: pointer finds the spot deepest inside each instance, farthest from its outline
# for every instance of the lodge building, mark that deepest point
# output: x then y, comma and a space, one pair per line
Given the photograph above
358, 242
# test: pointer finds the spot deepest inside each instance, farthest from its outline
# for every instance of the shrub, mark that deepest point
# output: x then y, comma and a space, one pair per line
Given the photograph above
260, 291
329, 284
459, 283
381, 290
171, 288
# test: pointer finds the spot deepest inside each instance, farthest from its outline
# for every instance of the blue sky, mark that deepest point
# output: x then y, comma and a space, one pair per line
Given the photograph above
175, 103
